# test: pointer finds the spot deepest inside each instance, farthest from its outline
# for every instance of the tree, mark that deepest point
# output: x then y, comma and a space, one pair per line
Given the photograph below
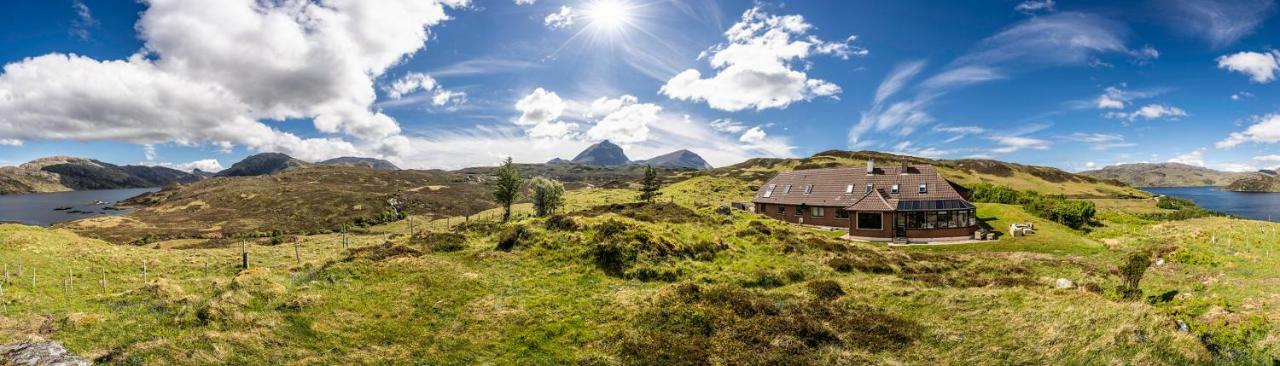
1131, 275
548, 195
507, 187
650, 185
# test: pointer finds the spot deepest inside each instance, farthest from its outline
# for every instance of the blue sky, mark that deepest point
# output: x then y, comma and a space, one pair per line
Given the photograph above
453, 83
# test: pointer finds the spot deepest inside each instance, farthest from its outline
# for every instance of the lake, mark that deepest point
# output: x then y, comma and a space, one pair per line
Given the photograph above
45, 209
1259, 206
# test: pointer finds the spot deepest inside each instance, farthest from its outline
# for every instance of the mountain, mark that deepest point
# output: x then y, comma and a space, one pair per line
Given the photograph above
262, 164
1261, 181
559, 161
681, 159
361, 162
1165, 175
65, 173
604, 153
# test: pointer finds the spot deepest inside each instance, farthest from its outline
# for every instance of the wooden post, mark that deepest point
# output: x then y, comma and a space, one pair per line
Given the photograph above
244, 254
6, 273
71, 278
144, 272
206, 268
297, 255
410, 226
19, 267
344, 236
104, 279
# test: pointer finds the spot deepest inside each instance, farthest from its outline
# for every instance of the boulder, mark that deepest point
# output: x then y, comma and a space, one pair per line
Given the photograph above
1064, 283
39, 354
1182, 326
724, 210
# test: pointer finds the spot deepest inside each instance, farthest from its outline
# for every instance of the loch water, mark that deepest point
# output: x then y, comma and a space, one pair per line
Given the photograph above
46, 209
1258, 206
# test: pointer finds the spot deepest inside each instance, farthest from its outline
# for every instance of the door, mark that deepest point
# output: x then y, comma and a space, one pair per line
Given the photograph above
899, 225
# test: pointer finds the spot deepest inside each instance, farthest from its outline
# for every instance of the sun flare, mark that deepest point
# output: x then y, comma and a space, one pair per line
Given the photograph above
609, 14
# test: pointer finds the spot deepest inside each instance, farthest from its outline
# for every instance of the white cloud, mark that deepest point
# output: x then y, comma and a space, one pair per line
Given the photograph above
756, 68
561, 19
149, 151
1156, 111
1241, 95
1032, 6
205, 165
10, 142
210, 71
966, 130
1265, 130
728, 125
1112, 98
629, 124
84, 20
1010, 144
525, 2
753, 135
1221, 22
1100, 141
605, 105
1260, 66
434, 93
540, 106
1195, 158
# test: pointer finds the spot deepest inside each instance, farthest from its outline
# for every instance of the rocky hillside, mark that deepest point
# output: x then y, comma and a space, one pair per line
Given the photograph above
364, 162
603, 153
1262, 181
964, 172
298, 200
681, 159
63, 173
1165, 175
262, 164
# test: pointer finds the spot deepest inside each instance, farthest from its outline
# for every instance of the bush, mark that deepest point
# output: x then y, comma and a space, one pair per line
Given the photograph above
825, 289
1075, 214
622, 251
1131, 275
562, 223
440, 242
515, 235
990, 193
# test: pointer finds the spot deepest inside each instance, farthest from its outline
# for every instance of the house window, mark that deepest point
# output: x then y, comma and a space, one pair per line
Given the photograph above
782, 209
870, 221
808, 189
769, 190
786, 189
848, 189
895, 189
817, 212
799, 210
930, 220
841, 213
924, 188
944, 219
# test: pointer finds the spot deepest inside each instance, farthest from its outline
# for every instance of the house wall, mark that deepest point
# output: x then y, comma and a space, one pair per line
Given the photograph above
828, 218
886, 227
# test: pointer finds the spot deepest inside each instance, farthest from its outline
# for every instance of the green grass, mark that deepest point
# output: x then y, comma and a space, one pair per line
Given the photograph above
549, 301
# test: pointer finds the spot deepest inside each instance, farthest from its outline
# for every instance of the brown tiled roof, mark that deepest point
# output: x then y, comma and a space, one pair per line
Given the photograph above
877, 200
831, 186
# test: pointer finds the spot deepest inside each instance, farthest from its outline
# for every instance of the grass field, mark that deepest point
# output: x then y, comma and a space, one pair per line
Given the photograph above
670, 283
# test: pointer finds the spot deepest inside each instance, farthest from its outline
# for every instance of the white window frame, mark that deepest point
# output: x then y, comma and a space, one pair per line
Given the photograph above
786, 189
817, 212
895, 189
870, 187
808, 189
924, 187
848, 189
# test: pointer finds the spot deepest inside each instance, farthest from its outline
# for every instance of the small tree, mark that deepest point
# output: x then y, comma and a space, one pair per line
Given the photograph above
650, 185
507, 187
1131, 275
548, 195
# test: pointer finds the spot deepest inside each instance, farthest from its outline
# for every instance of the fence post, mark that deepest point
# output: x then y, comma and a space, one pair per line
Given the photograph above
296, 253
244, 254
144, 272
104, 279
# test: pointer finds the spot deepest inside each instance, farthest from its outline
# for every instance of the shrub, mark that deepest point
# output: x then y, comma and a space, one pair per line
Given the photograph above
1131, 275
562, 223
1075, 214
825, 289
514, 236
547, 195
990, 193
622, 251
439, 242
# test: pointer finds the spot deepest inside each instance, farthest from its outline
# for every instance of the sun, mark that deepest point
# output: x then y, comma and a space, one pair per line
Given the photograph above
611, 15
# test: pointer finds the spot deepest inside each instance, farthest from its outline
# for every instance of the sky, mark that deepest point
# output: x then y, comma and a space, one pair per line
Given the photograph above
454, 83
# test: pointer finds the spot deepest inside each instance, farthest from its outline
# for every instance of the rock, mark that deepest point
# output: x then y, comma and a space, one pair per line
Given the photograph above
1159, 262
724, 210
1064, 283
1182, 326
39, 354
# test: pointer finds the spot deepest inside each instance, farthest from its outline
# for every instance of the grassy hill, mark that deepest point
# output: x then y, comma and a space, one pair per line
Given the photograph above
965, 172
672, 283
1165, 175
299, 200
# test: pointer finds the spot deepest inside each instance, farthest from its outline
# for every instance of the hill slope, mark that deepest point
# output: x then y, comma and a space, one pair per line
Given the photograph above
297, 200
64, 173
680, 159
964, 172
1164, 175
262, 164
603, 153
1263, 181
364, 162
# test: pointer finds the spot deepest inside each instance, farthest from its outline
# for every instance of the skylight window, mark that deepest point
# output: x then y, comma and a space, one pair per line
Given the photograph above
894, 189
786, 189
769, 191
924, 187
848, 189
808, 189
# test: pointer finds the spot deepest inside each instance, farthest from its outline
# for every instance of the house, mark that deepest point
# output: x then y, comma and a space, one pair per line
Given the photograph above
899, 203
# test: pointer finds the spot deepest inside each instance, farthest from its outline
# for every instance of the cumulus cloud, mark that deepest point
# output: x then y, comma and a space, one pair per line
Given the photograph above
209, 72
540, 106
728, 125
561, 19
628, 124
605, 105
1220, 22
1265, 130
757, 68
525, 2
1150, 112
432, 91
753, 135
1195, 158
1260, 66
1241, 95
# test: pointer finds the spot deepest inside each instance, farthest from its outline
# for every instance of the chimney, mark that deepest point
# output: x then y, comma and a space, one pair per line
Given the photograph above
871, 167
